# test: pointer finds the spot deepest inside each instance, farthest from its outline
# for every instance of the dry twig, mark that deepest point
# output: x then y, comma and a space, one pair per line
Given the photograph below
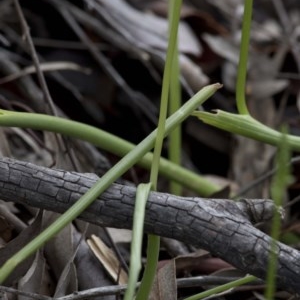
220, 226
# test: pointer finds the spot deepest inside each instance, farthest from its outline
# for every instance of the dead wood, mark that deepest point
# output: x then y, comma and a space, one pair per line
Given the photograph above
220, 226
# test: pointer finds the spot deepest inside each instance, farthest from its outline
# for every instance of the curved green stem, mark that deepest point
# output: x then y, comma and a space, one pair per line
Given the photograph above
88, 133
247, 126
115, 144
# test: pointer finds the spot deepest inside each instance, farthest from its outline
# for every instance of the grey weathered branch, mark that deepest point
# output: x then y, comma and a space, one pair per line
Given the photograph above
220, 226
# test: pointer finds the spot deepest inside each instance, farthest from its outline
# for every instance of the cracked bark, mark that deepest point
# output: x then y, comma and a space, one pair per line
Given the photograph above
220, 226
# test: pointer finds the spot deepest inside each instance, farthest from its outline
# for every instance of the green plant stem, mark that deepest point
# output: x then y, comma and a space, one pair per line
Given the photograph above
174, 149
151, 266
222, 288
142, 194
247, 126
173, 29
243, 59
279, 183
89, 133
109, 143
154, 241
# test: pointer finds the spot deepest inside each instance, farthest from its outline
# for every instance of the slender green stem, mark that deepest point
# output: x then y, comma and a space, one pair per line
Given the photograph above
174, 148
222, 288
142, 194
75, 129
150, 269
110, 143
173, 25
154, 241
279, 183
247, 126
243, 60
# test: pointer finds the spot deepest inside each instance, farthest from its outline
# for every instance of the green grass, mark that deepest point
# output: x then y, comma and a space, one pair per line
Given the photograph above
241, 123
89, 133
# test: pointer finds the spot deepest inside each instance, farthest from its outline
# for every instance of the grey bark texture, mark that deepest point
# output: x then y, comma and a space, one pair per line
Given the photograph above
220, 226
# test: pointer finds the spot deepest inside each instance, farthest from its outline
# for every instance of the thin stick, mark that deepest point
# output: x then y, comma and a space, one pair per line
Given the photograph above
40, 75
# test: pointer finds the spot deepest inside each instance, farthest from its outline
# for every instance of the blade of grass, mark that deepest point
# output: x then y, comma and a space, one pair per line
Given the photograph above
222, 288
174, 148
279, 183
243, 59
247, 126
154, 241
173, 29
110, 143
89, 133
142, 193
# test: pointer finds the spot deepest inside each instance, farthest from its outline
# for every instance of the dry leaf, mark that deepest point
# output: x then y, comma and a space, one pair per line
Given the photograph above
46, 67
16, 244
164, 287
148, 30
108, 260
36, 280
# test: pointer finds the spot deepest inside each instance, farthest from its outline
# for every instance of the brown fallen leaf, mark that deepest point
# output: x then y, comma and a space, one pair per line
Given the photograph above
108, 260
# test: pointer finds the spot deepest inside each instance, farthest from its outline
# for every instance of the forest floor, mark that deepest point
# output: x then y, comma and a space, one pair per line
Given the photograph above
103, 63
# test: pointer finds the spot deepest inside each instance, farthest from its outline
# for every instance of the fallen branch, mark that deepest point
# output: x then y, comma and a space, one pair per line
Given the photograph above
220, 226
